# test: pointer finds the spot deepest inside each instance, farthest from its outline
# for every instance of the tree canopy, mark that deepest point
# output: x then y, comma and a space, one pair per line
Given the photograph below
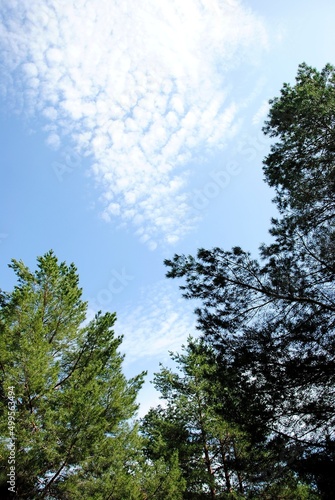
271, 319
61, 377
249, 410
219, 458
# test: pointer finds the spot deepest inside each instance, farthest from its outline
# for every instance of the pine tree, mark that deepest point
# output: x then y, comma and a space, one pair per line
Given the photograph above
212, 450
272, 319
73, 405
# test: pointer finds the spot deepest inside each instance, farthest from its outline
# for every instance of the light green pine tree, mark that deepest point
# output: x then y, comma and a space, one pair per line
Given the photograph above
74, 406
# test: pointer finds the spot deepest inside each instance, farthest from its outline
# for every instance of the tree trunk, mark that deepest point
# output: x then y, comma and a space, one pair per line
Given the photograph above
225, 465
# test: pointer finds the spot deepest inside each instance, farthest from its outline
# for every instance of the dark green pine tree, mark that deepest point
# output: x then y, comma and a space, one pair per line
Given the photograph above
214, 452
74, 435
272, 319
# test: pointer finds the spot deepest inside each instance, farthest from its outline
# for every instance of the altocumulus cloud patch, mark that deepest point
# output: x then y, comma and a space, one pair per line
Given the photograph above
141, 87
161, 320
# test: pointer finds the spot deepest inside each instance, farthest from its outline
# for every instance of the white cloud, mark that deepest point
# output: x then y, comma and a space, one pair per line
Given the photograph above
158, 323
53, 141
142, 87
50, 113
30, 69
261, 113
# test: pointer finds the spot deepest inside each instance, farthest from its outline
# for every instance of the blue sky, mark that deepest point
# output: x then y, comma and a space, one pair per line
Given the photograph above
131, 131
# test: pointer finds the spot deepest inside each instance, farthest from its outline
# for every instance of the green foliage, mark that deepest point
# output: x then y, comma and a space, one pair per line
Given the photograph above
73, 403
214, 452
250, 410
301, 163
162, 479
271, 321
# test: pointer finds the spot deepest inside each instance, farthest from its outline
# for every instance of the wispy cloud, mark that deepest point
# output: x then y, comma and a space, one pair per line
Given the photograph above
159, 322
261, 113
141, 87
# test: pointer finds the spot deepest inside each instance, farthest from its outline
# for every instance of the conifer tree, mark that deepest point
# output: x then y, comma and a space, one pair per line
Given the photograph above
210, 449
73, 406
219, 457
271, 320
